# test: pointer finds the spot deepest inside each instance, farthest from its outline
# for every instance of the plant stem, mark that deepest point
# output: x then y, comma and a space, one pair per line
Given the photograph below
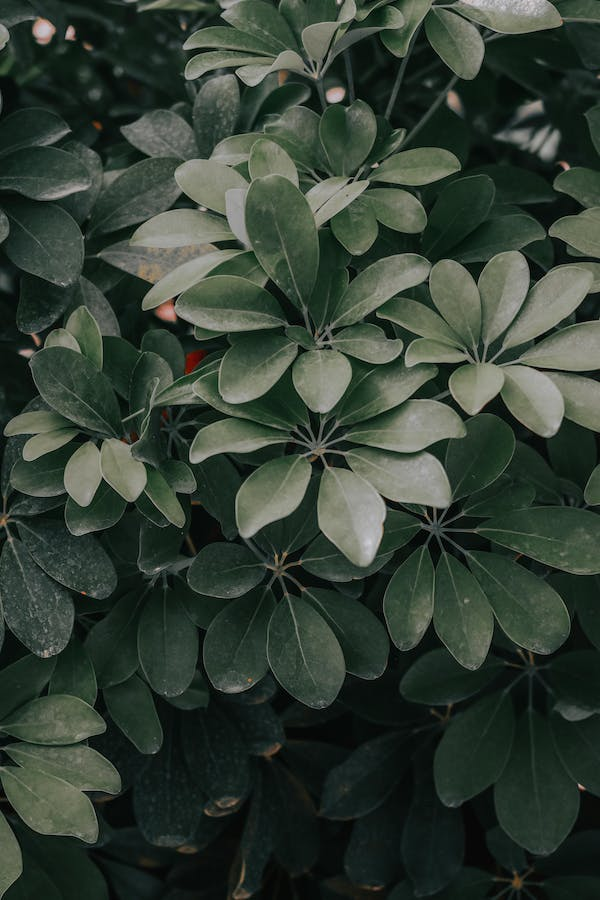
349, 76
400, 76
321, 92
431, 111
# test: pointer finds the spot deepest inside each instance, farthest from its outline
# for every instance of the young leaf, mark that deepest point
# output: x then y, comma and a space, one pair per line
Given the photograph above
127, 476
321, 378
474, 386
83, 474
533, 399
233, 436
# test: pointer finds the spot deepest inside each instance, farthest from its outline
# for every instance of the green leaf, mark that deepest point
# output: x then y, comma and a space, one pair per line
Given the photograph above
577, 746
80, 563
43, 173
83, 474
368, 343
437, 679
375, 389
140, 192
181, 228
37, 610
283, 234
360, 634
550, 301
503, 286
253, 365
53, 720
365, 778
462, 617
474, 749
41, 444
80, 766
262, 21
235, 645
355, 227
112, 641
378, 283
11, 862
43, 240
217, 105
34, 126
229, 303
581, 397
460, 208
408, 600
535, 817
562, 537
37, 422
417, 167
533, 399
163, 497
411, 427
304, 653
398, 40
420, 319
405, 478
49, 805
268, 158
592, 488
167, 643
43, 477
456, 297
347, 136
351, 515
104, 511
431, 831
132, 709
457, 42
398, 210
576, 348
74, 674
579, 231
517, 17
225, 570
484, 454
233, 436
473, 387
581, 184
528, 610
72, 385
84, 328
161, 132
271, 492
321, 378
127, 476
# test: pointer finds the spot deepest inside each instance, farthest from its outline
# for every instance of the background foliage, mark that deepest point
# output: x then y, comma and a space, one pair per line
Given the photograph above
300, 573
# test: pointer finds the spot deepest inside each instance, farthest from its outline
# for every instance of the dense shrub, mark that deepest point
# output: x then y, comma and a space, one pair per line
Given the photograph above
299, 388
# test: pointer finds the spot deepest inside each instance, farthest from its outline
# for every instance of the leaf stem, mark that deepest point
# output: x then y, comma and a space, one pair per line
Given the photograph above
400, 76
431, 111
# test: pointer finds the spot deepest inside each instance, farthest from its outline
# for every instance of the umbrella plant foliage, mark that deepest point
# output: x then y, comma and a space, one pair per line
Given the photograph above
300, 468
